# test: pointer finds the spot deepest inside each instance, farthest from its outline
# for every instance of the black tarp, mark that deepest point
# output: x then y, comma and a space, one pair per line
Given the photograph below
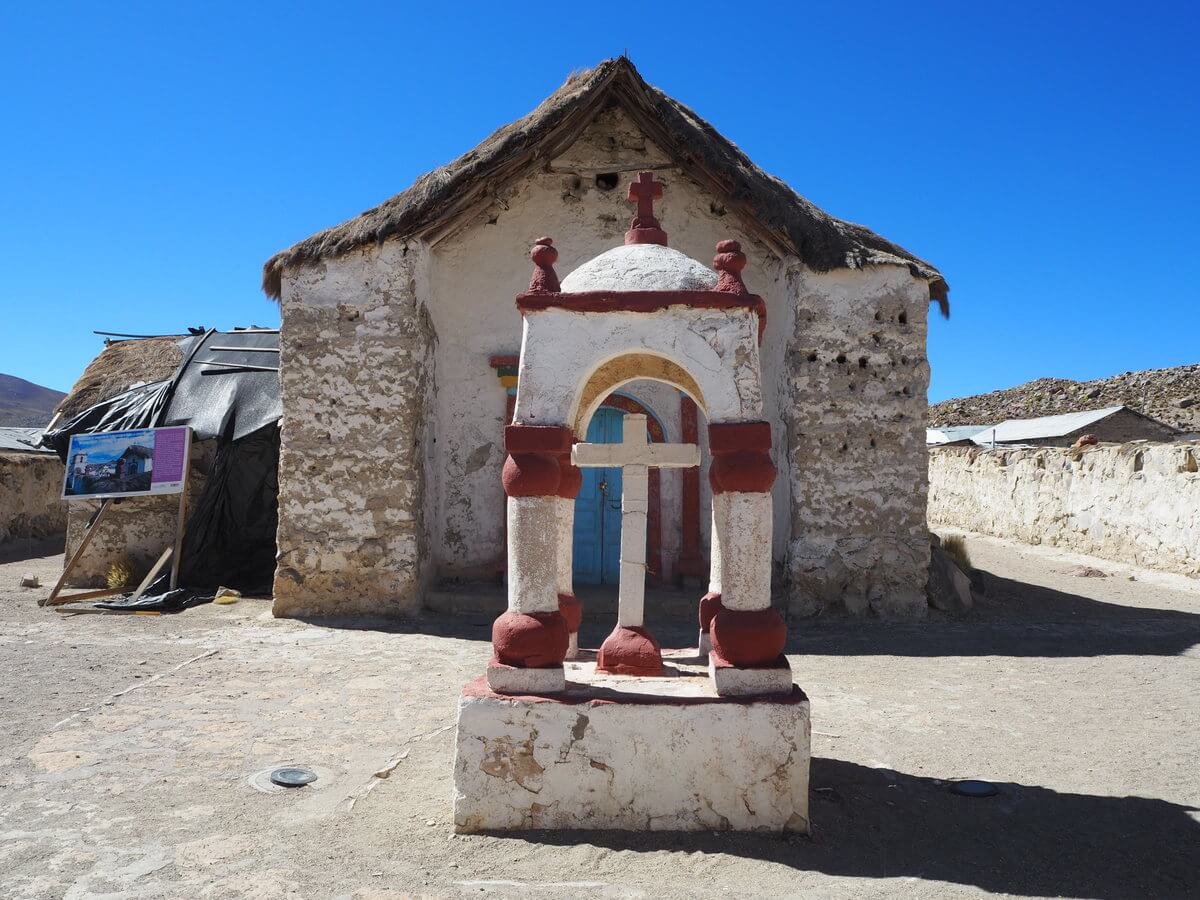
217, 401
229, 537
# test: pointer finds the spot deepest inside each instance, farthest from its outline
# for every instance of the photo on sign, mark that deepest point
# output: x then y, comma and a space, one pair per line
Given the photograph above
126, 463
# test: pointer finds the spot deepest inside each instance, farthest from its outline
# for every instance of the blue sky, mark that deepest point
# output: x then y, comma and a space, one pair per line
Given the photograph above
1043, 155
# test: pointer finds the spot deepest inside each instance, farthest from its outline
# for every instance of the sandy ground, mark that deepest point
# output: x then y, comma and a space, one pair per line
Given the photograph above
132, 748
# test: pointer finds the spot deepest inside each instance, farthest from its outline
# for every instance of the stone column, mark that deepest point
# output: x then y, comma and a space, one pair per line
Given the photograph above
530, 639
710, 603
571, 478
746, 632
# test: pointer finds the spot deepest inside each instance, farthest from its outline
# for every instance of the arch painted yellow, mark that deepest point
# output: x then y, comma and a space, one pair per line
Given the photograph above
624, 369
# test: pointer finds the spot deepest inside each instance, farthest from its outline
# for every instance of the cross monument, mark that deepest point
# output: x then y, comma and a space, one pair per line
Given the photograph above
635, 457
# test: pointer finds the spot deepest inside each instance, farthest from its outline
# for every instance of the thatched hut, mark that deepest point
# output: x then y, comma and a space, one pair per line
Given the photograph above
398, 345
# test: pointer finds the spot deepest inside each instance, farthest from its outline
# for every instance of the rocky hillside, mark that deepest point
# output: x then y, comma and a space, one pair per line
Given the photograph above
25, 403
1169, 395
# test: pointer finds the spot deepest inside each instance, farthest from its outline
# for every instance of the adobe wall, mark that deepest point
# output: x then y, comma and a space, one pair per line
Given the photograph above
1134, 503
392, 444
135, 530
355, 374
858, 377
475, 275
30, 488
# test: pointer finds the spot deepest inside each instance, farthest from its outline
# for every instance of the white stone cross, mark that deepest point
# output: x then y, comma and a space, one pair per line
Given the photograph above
635, 457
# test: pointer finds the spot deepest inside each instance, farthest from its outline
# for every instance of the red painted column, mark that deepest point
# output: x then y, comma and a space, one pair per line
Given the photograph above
528, 635
741, 464
691, 564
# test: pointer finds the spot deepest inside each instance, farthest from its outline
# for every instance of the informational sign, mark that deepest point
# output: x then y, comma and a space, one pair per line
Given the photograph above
127, 463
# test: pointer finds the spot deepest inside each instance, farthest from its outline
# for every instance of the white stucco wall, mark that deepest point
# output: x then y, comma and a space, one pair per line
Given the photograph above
1137, 503
410, 328
474, 277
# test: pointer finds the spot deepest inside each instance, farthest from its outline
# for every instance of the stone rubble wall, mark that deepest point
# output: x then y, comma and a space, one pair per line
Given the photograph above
30, 491
1136, 503
356, 373
135, 531
390, 476
858, 378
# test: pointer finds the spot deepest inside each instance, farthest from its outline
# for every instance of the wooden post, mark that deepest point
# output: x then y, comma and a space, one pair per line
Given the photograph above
87, 539
182, 518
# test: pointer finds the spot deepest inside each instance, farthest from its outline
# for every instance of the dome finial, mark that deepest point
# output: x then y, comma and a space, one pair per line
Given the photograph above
544, 256
729, 262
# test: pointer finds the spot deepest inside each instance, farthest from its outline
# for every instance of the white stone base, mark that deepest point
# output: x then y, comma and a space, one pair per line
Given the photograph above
731, 681
639, 754
705, 643
511, 680
573, 646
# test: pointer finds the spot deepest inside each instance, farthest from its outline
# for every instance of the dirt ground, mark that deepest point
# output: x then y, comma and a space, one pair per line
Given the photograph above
132, 750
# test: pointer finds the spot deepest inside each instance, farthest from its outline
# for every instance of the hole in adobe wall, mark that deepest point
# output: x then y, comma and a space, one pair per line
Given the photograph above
878, 316
1138, 461
606, 181
843, 448
841, 357
906, 391
1189, 462
716, 209
904, 360
902, 318
812, 357
862, 362
872, 443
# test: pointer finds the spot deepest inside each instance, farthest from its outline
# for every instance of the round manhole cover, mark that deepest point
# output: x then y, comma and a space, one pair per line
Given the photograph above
293, 776
974, 788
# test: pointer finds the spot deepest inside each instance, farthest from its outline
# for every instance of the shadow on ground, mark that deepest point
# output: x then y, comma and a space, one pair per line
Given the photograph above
1028, 840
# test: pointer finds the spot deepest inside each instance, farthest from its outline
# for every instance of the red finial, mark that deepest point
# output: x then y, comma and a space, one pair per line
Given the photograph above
645, 229
544, 256
729, 262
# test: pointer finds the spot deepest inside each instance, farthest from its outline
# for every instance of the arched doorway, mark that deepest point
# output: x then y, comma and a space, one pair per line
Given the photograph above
597, 533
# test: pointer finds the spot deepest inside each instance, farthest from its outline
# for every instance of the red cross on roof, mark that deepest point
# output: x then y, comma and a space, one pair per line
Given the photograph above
645, 228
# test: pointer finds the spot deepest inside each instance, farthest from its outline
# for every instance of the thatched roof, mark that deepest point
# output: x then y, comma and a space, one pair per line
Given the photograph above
779, 215
122, 365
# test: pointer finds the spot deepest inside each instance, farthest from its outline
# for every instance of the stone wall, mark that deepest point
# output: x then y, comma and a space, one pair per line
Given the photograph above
1135, 503
356, 358
30, 488
392, 443
135, 530
858, 378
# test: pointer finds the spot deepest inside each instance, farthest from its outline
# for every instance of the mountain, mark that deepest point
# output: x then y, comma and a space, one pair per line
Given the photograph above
1169, 395
25, 403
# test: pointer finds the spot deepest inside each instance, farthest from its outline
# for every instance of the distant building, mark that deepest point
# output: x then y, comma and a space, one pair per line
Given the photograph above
1113, 424
952, 435
134, 461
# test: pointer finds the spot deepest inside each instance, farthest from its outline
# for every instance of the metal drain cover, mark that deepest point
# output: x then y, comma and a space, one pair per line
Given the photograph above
974, 788
293, 776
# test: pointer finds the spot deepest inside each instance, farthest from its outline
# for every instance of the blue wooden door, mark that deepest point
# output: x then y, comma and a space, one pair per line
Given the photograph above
598, 509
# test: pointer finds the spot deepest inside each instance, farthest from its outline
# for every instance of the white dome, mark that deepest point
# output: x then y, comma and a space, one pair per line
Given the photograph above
641, 267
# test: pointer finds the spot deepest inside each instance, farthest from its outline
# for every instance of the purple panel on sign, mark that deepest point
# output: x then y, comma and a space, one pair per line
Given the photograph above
169, 447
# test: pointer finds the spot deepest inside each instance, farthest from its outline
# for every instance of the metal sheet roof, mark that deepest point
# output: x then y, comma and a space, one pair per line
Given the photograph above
24, 440
951, 433
1015, 430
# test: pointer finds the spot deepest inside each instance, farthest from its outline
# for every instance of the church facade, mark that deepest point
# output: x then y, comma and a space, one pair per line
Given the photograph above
399, 352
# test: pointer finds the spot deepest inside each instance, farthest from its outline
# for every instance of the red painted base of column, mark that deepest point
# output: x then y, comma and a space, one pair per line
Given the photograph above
571, 608
630, 651
710, 605
530, 641
748, 638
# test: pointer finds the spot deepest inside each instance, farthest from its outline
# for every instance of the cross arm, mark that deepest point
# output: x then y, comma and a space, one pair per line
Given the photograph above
658, 456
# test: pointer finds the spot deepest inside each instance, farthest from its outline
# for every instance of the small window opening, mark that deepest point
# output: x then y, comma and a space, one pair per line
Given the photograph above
606, 181
862, 362
902, 318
